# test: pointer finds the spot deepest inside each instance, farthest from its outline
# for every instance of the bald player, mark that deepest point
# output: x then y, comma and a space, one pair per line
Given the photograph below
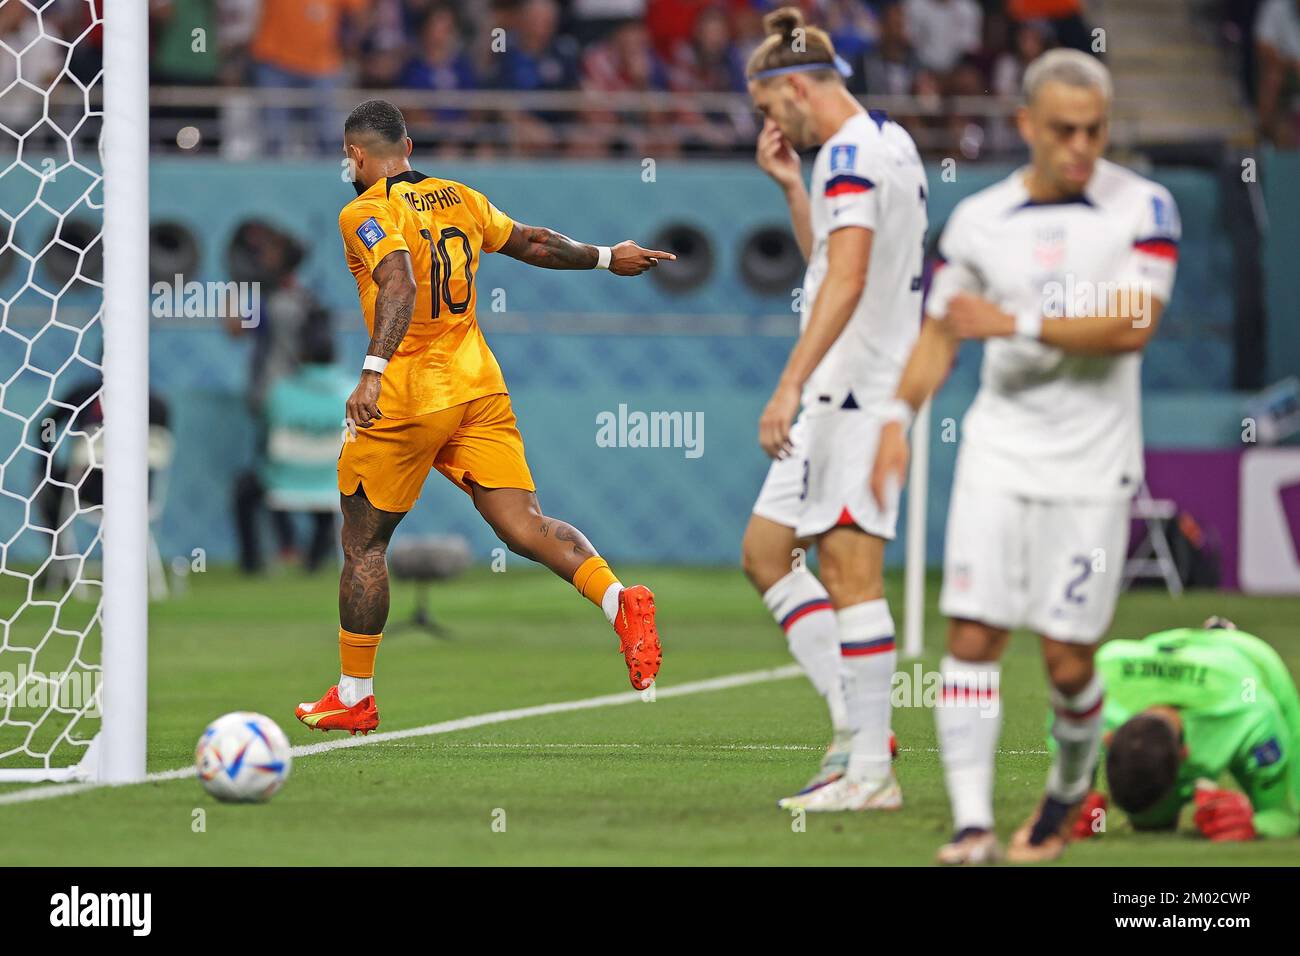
431, 396
1063, 270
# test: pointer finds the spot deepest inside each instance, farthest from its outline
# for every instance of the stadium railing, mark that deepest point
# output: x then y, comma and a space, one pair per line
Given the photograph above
972, 127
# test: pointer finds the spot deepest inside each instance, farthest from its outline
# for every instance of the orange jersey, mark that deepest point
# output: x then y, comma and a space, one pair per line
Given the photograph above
302, 36
446, 227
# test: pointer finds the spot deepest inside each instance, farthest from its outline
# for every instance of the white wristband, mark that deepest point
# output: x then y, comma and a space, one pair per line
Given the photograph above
603, 255
374, 363
1029, 325
897, 410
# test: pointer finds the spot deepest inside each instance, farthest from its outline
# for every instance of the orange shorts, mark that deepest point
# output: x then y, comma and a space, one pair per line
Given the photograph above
474, 443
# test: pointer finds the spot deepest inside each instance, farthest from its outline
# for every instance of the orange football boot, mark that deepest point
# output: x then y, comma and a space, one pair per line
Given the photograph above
635, 625
330, 713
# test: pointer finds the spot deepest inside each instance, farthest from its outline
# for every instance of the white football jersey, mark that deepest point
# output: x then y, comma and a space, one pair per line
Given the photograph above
868, 175
1047, 424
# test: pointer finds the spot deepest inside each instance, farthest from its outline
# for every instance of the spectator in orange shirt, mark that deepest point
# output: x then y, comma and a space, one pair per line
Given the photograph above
299, 45
1065, 17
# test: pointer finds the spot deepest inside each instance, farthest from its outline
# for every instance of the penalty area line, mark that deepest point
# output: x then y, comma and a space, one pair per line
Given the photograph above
726, 682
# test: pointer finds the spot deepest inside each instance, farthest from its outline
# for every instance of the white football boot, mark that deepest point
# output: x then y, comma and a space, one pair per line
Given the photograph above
971, 847
834, 765
849, 794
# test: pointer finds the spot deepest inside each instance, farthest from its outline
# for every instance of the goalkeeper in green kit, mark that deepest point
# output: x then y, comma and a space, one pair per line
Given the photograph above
1183, 707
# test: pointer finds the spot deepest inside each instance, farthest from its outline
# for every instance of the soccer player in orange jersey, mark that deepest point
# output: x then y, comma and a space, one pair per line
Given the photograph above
431, 395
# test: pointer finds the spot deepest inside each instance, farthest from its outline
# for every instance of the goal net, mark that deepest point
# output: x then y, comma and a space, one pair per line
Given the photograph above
72, 689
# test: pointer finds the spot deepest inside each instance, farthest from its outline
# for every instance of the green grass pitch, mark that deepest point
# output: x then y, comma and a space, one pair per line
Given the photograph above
683, 780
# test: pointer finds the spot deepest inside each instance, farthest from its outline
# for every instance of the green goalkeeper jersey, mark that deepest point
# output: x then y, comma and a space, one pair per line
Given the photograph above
1239, 708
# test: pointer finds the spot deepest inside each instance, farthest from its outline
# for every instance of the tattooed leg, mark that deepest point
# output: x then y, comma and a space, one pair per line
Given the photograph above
517, 519
363, 586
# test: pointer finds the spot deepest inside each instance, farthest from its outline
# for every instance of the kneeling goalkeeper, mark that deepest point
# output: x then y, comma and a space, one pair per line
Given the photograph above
1182, 708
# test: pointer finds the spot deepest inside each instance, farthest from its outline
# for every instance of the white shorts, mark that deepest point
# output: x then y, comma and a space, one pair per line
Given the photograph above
826, 480
1054, 567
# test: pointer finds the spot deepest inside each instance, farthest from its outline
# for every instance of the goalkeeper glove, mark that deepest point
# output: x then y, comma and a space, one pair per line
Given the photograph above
1224, 814
1092, 809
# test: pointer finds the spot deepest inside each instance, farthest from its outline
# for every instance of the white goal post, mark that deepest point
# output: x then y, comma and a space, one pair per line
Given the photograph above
918, 495
56, 610
126, 391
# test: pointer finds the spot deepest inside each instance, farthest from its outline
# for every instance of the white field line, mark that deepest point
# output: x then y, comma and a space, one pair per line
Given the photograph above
387, 738
668, 745
444, 727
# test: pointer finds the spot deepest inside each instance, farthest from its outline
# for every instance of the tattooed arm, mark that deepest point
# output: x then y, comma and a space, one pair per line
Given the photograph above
548, 249
393, 306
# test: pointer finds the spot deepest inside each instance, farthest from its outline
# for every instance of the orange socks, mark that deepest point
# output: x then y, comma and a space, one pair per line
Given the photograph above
593, 578
357, 653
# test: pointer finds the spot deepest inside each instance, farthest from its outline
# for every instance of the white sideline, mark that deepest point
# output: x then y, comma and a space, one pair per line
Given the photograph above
444, 727
671, 745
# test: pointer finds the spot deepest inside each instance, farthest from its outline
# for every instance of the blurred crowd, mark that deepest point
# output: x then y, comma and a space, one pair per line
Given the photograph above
924, 48
607, 46
927, 49
1266, 34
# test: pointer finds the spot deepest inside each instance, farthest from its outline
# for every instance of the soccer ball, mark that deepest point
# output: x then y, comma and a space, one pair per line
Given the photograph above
242, 758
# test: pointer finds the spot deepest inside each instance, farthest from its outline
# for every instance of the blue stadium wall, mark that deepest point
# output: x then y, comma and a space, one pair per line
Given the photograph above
573, 345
